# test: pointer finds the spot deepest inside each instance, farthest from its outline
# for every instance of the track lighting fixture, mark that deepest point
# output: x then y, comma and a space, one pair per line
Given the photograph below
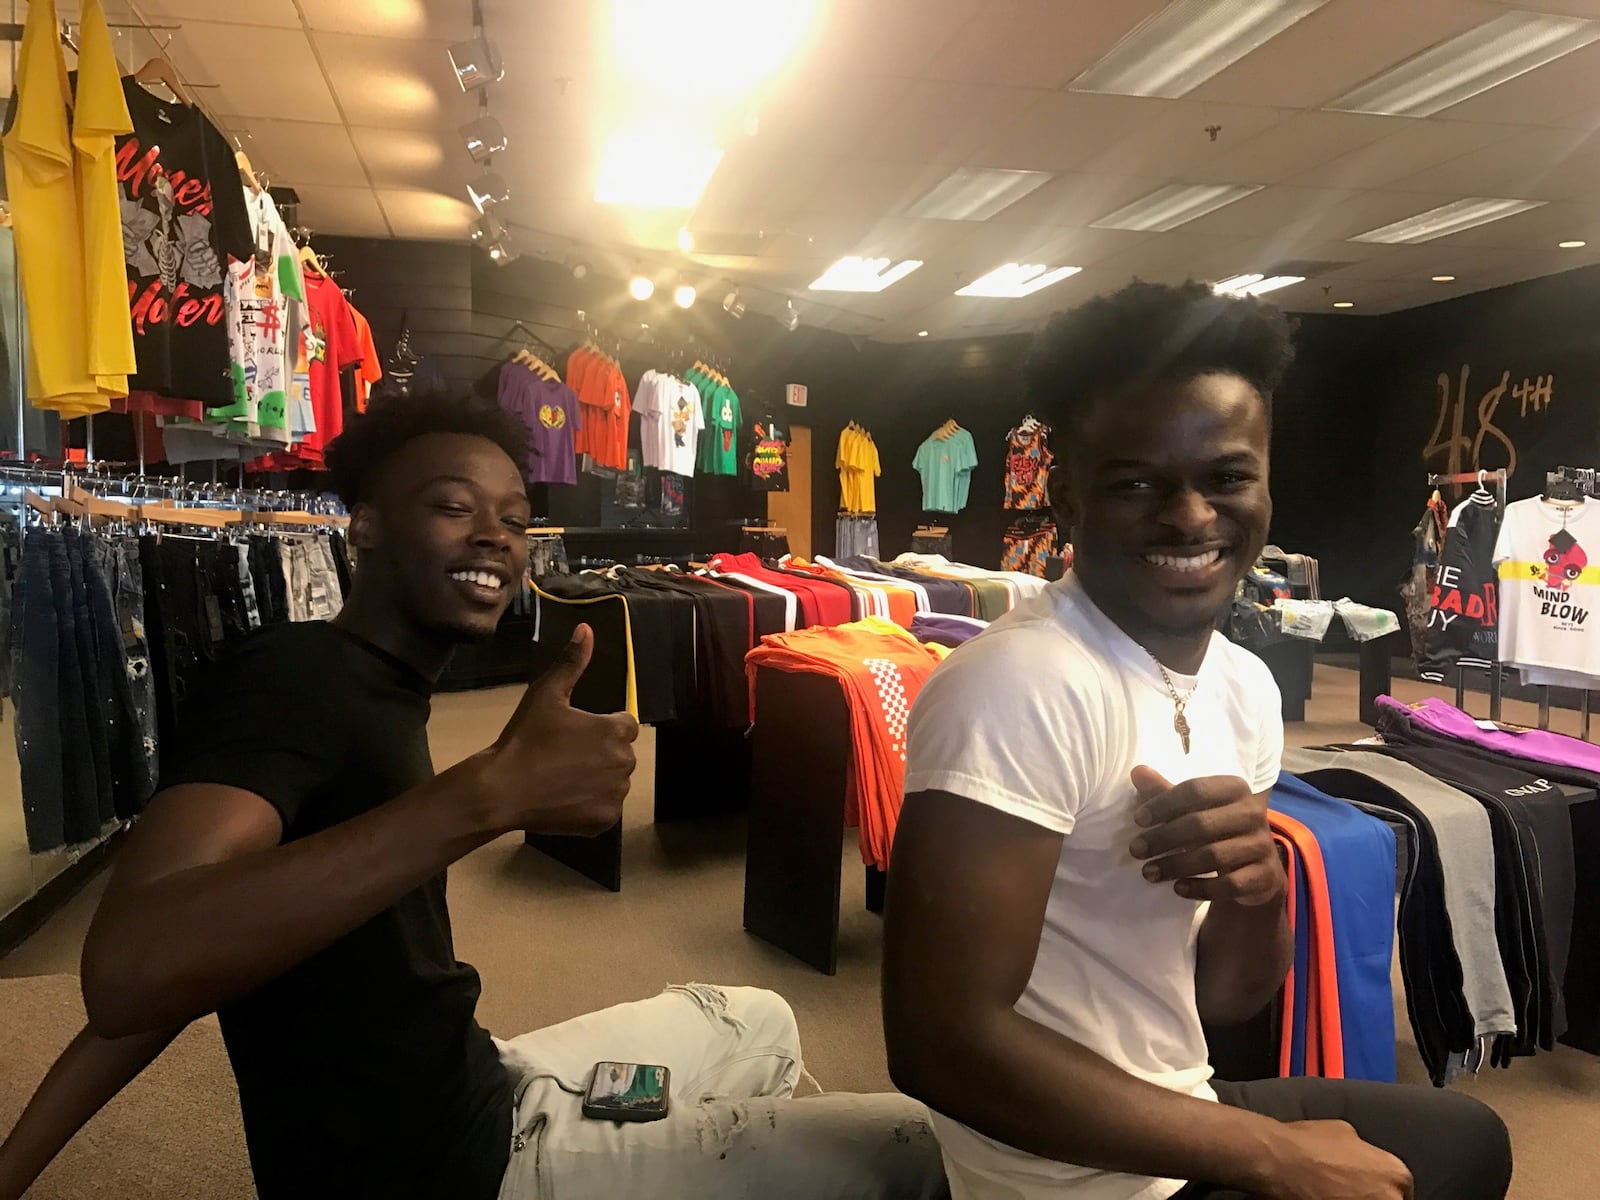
476, 61
486, 230
484, 136
581, 269
791, 316
487, 190
732, 305
502, 251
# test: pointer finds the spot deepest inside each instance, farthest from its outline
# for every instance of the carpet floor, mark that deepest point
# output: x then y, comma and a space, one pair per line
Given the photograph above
551, 945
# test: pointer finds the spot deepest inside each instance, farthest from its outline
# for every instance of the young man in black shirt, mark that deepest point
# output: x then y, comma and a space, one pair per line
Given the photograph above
290, 876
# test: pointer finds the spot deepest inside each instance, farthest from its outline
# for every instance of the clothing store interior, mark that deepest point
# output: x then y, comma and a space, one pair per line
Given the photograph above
760, 281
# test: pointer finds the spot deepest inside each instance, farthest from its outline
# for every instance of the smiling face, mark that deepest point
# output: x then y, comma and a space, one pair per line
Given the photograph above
1166, 493
443, 538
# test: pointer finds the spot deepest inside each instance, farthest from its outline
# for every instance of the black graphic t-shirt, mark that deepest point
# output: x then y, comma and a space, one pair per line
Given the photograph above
769, 456
183, 216
1463, 615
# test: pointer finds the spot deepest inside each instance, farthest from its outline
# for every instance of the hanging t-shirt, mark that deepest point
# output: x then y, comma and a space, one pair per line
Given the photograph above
670, 421
1549, 591
769, 456
719, 447
259, 291
183, 217
330, 346
550, 410
1463, 615
370, 369
857, 460
945, 465
1028, 461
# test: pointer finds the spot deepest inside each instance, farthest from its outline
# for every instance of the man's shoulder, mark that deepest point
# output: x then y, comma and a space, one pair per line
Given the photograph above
1247, 677
1037, 653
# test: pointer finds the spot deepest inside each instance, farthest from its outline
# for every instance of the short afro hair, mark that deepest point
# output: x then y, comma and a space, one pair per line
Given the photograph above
1149, 334
356, 457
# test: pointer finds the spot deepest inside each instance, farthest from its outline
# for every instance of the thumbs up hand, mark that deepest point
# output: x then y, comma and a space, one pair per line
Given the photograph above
554, 768
1208, 838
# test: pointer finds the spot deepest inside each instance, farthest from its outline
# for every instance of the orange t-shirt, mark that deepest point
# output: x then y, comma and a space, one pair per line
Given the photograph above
369, 370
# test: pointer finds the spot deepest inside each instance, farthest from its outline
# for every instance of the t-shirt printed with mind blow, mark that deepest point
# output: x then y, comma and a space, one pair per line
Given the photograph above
1548, 560
183, 217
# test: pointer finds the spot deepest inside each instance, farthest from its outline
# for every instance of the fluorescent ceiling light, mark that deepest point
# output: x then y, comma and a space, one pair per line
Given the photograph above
976, 193
1469, 63
1171, 206
1255, 285
1444, 279
1572, 245
852, 274
1187, 42
1344, 303
656, 165
1446, 219
1015, 280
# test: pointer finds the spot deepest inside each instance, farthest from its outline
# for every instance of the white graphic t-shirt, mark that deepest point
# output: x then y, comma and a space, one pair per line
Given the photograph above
1044, 716
1548, 557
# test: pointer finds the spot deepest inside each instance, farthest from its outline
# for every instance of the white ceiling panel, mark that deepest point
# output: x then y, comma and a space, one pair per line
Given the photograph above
1407, 150
431, 215
1519, 167
428, 20
280, 13
352, 211
939, 122
398, 158
1171, 139
299, 152
1064, 38
1288, 148
208, 53
394, 83
1559, 93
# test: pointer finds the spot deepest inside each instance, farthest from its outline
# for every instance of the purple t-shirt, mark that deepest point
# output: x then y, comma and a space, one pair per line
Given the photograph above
946, 630
1535, 745
549, 408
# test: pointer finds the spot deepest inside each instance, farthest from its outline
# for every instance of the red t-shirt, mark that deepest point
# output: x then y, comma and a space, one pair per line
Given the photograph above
331, 344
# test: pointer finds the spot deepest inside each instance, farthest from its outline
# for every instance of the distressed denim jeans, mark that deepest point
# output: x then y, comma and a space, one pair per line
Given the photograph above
734, 1129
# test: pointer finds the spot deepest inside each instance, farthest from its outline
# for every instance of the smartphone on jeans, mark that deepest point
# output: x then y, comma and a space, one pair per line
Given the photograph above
627, 1092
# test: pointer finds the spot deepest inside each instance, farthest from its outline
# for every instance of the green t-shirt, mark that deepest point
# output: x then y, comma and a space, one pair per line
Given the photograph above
945, 465
719, 444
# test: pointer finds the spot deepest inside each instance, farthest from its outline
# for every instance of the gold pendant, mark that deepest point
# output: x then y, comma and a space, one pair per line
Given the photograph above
1181, 724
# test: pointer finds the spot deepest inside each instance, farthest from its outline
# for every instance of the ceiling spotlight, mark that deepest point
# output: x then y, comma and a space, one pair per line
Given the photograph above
732, 305
503, 252
486, 230
922, 333
684, 296
1344, 304
1444, 278
641, 287
791, 317
483, 136
477, 63
1573, 245
487, 190
685, 240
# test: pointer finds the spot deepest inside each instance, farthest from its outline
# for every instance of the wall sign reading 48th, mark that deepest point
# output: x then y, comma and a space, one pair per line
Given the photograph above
1461, 451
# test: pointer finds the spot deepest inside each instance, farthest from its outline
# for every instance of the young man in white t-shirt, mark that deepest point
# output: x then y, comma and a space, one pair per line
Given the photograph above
1083, 870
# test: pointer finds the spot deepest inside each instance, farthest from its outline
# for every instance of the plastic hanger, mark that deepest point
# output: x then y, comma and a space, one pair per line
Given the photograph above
308, 258
159, 70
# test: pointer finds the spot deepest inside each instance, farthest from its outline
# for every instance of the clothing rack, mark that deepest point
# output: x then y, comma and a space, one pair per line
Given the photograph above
1496, 679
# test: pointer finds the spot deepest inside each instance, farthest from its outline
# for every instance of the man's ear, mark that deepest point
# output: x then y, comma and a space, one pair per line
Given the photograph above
365, 527
1058, 487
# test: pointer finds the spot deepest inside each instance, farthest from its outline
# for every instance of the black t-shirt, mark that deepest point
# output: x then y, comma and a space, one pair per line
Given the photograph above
768, 460
183, 215
362, 1071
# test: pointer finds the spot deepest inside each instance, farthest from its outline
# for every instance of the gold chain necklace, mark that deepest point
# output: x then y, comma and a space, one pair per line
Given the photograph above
1180, 723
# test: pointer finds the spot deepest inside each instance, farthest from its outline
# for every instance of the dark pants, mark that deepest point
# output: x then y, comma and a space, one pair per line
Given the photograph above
117, 590
35, 672
99, 662
1456, 1148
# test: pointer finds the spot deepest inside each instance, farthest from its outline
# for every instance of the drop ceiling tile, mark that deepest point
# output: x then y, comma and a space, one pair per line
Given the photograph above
1283, 217
1300, 142
1170, 139
206, 52
303, 152
408, 158
429, 215
1408, 150
394, 83
1335, 48
1174, 257
1063, 38
279, 13
1559, 93
829, 116
944, 122
884, 39
1517, 167
395, 18
351, 211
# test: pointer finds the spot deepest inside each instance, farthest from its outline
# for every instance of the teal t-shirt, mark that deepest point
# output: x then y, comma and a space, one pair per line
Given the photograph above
946, 468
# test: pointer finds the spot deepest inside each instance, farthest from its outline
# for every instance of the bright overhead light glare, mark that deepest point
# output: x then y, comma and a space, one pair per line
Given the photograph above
484, 136
658, 165
976, 193
791, 316
685, 240
1255, 285
1167, 208
853, 274
641, 287
1186, 43
1444, 278
1015, 280
922, 333
1446, 219
1461, 67
748, 42
477, 63
1572, 245
684, 296
1344, 304
487, 190
732, 305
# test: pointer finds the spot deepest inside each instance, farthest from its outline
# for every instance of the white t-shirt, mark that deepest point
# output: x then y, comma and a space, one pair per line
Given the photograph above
670, 422
1044, 716
1548, 557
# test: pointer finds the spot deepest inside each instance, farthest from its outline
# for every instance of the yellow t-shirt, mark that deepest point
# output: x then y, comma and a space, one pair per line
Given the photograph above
100, 118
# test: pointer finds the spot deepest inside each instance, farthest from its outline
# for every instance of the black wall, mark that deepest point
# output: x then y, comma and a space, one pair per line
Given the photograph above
1351, 421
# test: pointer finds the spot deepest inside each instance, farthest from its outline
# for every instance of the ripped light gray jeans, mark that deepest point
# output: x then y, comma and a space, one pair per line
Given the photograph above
735, 1129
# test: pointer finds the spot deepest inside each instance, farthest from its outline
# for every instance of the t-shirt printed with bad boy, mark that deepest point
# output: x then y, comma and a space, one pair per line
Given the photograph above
183, 217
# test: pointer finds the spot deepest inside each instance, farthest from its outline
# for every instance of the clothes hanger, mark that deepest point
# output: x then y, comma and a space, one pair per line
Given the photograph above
247, 172
309, 259
159, 70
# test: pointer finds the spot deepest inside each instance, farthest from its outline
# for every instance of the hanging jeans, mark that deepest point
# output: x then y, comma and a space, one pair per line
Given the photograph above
117, 560
856, 535
35, 691
96, 684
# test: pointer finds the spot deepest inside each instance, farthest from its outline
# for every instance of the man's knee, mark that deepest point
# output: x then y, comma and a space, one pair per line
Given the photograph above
1477, 1136
766, 1014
